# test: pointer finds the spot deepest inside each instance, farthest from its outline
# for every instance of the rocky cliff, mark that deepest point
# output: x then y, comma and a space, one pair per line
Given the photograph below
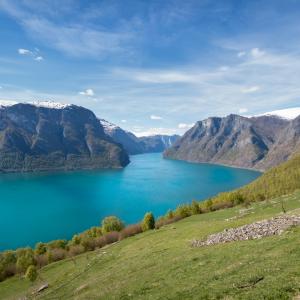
37, 137
258, 142
137, 145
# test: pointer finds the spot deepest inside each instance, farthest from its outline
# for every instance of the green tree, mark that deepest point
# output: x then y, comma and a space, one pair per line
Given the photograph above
31, 273
195, 207
148, 222
112, 223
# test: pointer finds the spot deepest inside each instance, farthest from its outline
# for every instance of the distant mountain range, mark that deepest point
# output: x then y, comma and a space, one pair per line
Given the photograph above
44, 136
137, 145
257, 142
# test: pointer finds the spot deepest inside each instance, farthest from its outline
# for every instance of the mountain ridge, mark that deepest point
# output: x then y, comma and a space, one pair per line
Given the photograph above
68, 137
254, 143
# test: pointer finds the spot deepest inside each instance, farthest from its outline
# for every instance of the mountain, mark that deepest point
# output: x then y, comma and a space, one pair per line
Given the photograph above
257, 142
137, 145
48, 136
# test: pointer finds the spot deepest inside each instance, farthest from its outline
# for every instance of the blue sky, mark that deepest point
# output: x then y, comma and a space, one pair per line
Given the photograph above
153, 66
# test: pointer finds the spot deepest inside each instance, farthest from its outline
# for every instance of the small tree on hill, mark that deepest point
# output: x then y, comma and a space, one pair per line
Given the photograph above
112, 223
148, 222
31, 273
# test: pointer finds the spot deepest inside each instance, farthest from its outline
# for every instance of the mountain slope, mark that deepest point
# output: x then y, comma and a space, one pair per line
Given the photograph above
258, 142
38, 138
137, 145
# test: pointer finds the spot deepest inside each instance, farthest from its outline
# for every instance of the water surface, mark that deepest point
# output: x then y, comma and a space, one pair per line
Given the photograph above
47, 206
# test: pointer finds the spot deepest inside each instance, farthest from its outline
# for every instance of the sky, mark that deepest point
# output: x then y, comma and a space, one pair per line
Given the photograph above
153, 66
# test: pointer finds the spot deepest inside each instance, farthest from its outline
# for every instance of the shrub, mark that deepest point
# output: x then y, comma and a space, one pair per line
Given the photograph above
112, 223
88, 244
195, 208
169, 214
25, 258
57, 254
76, 250
76, 239
130, 231
163, 221
148, 222
31, 273
111, 237
41, 260
40, 248
57, 244
183, 211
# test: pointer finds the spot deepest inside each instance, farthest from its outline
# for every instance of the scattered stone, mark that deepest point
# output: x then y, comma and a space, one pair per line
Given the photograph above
82, 287
42, 287
257, 230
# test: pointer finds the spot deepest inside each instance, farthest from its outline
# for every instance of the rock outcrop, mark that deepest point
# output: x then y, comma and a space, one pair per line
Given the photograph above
36, 137
258, 142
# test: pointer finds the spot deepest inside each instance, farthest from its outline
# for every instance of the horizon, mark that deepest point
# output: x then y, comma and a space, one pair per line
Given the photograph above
151, 67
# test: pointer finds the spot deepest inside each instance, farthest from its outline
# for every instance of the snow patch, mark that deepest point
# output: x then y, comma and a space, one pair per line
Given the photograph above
288, 113
108, 127
47, 104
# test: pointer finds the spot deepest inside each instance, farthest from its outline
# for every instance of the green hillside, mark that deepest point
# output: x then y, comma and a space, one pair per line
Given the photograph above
161, 264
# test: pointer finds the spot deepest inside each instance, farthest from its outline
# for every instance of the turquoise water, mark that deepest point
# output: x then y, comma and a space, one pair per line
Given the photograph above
43, 207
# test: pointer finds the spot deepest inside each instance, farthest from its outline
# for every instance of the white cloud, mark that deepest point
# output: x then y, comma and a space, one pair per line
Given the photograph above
154, 131
39, 58
34, 54
224, 68
251, 89
24, 51
154, 117
124, 121
257, 53
241, 54
164, 77
87, 92
243, 110
185, 126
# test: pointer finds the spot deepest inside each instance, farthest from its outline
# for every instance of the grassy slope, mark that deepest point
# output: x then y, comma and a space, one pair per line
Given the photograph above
160, 264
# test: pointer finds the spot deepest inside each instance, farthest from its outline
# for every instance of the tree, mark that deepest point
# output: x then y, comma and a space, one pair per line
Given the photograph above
195, 207
148, 222
25, 258
31, 273
112, 223
40, 248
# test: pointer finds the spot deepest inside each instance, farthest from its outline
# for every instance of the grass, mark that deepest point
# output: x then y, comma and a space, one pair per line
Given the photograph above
160, 264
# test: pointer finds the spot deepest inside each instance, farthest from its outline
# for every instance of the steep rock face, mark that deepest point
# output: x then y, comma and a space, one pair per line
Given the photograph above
37, 138
238, 141
137, 145
157, 143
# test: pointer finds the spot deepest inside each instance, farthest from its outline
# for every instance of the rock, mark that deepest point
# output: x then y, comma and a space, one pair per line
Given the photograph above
42, 287
252, 231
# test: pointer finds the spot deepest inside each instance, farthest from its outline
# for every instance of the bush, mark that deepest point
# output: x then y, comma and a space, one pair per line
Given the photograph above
111, 237
163, 221
76, 250
56, 254
25, 258
148, 222
88, 244
195, 208
112, 223
57, 244
31, 273
183, 211
130, 231
41, 260
40, 248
